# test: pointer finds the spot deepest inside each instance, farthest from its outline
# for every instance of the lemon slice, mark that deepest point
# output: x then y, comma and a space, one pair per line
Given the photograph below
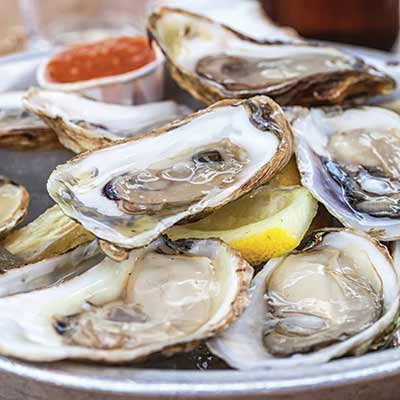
265, 223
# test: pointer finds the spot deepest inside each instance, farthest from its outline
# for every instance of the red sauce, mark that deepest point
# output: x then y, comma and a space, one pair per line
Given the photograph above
107, 57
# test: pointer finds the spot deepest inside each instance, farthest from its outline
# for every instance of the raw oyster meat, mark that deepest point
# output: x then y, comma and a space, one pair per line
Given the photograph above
84, 124
349, 159
129, 193
334, 297
14, 201
19, 128
213, 62
163, 298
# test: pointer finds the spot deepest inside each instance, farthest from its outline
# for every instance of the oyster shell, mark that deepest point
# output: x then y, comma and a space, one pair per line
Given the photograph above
49, 235
23, 278
8, 260
19, 128
83, 124
164, 298
130, 193
349, 160
334, 297
212, 62
14, 201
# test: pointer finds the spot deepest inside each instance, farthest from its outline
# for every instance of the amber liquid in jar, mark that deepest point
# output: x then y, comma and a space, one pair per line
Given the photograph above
369, 23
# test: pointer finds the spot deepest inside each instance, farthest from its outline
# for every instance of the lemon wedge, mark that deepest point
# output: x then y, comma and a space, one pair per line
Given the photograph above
263, 224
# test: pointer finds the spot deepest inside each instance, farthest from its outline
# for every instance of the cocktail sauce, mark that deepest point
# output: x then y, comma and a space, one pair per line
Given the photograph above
108, 57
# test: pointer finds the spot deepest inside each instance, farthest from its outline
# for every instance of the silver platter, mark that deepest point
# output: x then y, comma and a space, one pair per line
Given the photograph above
373, 376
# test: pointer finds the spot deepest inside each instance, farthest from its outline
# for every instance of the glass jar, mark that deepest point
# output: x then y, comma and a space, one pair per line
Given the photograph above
63, 22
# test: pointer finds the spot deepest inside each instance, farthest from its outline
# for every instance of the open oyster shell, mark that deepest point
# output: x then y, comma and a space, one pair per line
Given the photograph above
19, 128
49, 235
349, 160
83, 124
213, 62
130, 193
14, 201
164, 298
334, 297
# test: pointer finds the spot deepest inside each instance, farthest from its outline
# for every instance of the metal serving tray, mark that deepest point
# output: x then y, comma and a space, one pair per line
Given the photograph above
196, 375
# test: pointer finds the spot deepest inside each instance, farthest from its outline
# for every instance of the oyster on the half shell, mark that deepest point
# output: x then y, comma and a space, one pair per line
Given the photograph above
334, 297
163, 299
213, 62
84, 124
19, 128
14, 201
129, 193
349, 158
